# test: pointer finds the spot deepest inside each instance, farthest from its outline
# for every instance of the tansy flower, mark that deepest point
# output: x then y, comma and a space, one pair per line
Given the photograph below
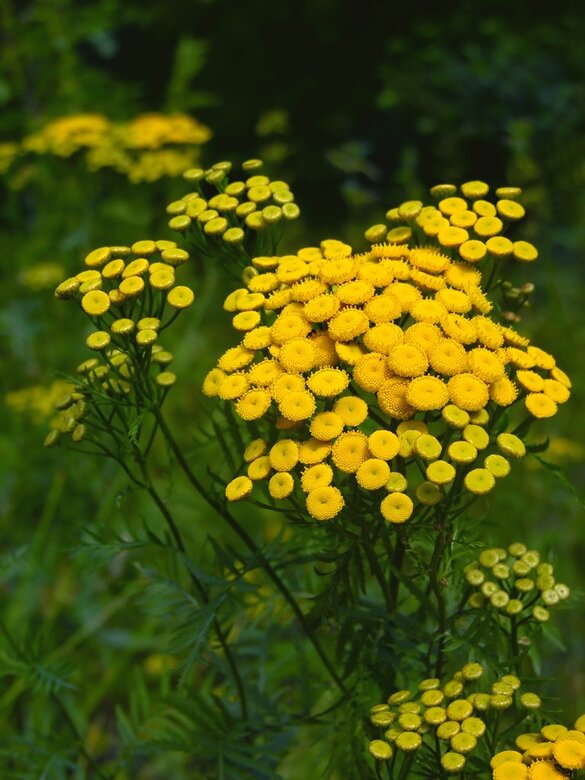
284, 455
540, 405
325, 503
321, 308
348, 324
383, 308
371, 371
285, 384
296, 406
318, 476
233, 386
479, 481
264, 373
349, 451
253, 404
382, 338
396, 507
297, 355
468, 392
238, 488
313, 451
351, 409
392, 399
373, 473
383, 444
328, 382
426, 393
448, 357
326, 426
503, 392
281, 485
462, 452
407, 361
569, 753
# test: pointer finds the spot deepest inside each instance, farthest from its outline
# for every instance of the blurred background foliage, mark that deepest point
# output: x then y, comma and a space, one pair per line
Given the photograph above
359, 106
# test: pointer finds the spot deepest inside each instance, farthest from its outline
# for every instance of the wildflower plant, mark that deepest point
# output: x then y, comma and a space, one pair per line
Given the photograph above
371, 399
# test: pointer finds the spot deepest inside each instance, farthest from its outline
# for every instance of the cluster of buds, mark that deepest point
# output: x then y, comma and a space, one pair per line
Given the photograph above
234, 219
515, 582
446, 717
553, 753
130, 296
515, 299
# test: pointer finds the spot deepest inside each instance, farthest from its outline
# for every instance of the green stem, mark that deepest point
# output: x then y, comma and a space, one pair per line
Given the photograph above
199, 587
252, 546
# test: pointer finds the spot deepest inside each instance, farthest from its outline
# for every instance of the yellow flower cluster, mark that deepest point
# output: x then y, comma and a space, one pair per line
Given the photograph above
69, 134
379, 367
8, 152
37, 402
515, 582
552, 754
147, 148
255, 202
41, 276
464, 223
445, 715
130, 294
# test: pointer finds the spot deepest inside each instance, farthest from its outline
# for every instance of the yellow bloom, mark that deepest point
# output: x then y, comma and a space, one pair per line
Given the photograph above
392, 399
373, 474
407, 361
318, 476
556, 390
284, 455
95, 303
326, 426
540, 405
396, 507
238, 488
328, 382
383, 308
254, 450
383, 444
485, 364
370, 372
212, 382
570, 754
503, 392
468, 392
427, 393
479, 481
299, 405
297, 355
321, 308
351, 409
180, 297
281, 485
259, 468
462, 452
429, 260
313, 451
383, 338
348, 324
440, 473
233, 386
349, 451
544, 770
288, 327
510, 770
325, 503
253, 404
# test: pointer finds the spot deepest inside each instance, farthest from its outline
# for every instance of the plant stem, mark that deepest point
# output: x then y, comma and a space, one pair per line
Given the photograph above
199, 587
252, 546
